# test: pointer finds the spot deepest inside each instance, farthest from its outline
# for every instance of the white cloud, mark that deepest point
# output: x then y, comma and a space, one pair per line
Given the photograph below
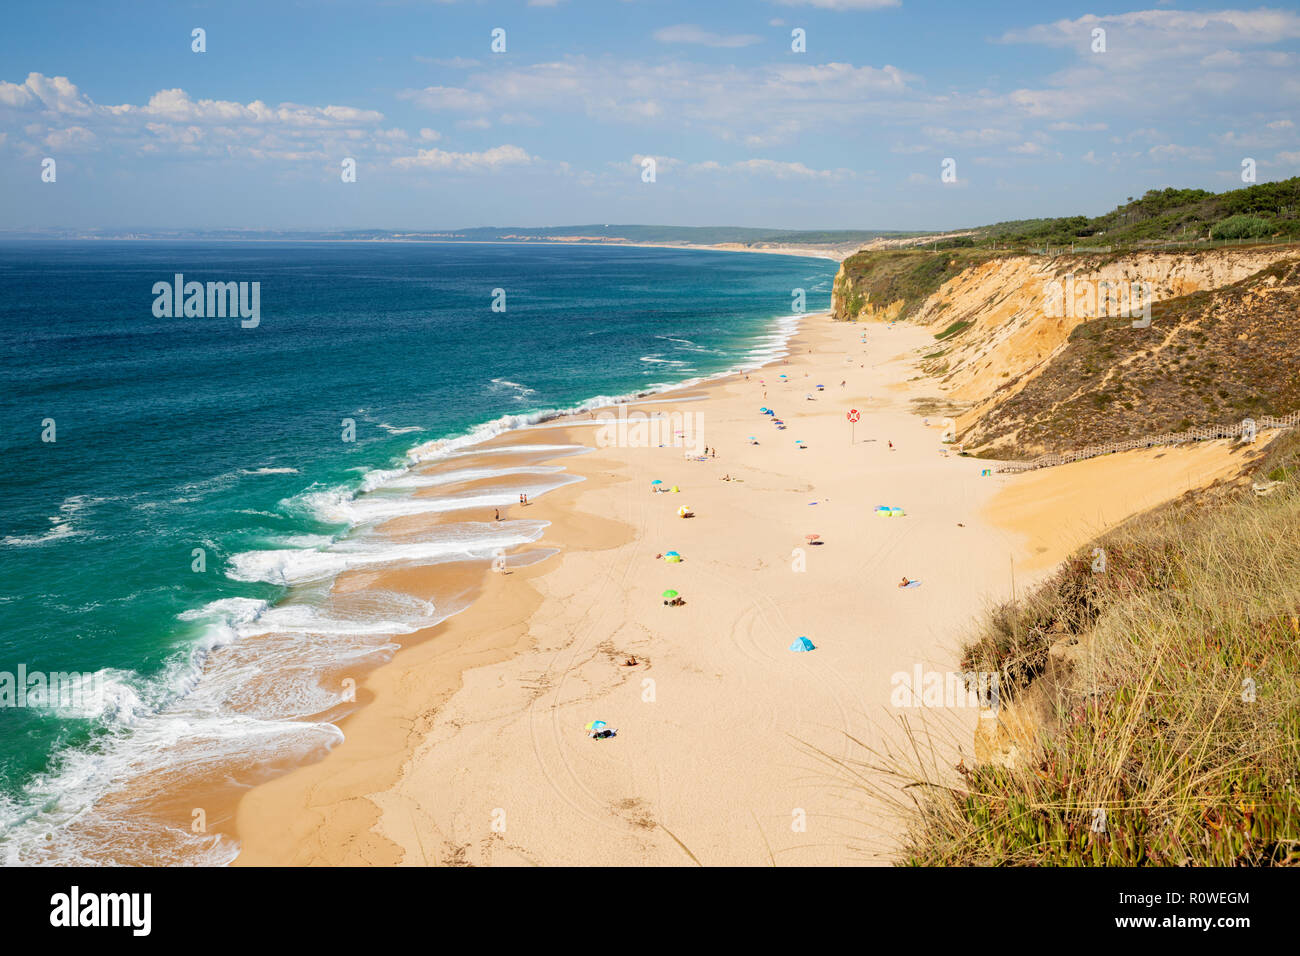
842, 4
71, 139
1174, 151
1077, 127
62, 117
445, 98
689, 33
1222, 58
487, 161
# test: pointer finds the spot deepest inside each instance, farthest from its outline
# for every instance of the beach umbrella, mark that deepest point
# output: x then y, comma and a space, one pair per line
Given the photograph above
670, 594
656, 482
596, 725
802, 644
812, 537
683, 510
672, 554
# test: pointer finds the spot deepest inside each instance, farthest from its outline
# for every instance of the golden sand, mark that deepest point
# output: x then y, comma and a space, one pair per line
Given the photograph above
470, 747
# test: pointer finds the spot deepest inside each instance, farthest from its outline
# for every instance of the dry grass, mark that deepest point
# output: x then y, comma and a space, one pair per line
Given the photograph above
1174, 680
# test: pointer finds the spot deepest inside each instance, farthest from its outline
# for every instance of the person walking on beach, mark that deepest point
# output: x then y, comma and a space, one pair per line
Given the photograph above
498, 517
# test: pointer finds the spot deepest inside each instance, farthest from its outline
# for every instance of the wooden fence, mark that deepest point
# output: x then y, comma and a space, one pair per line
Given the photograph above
1199, 433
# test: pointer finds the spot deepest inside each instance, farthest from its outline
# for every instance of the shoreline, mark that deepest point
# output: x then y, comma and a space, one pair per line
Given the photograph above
820, 252
462, 634
471, 749
492, 634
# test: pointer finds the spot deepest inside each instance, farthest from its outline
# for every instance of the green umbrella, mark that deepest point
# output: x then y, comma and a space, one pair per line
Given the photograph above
670, 594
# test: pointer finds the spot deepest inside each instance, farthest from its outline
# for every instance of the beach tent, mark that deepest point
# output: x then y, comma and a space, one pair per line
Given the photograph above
684, 510
672, 559
802, 644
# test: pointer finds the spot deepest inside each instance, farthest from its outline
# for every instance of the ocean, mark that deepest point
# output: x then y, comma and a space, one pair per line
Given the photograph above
183, 488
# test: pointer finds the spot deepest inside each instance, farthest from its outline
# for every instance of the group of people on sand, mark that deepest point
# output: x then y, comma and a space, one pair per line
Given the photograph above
496, 512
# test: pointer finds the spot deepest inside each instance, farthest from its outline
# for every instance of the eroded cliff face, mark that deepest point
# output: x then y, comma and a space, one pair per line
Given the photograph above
1013, 334
1001, 321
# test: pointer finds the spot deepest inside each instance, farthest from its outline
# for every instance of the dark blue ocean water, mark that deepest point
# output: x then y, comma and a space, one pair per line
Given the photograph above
184, 433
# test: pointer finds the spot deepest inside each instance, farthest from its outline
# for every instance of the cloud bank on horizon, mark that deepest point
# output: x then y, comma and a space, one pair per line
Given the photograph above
782, 113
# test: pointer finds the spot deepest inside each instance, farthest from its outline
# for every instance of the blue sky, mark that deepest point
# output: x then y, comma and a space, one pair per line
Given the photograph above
445, 133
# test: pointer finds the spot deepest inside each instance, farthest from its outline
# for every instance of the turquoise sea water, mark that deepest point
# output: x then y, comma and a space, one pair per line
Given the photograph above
176, 434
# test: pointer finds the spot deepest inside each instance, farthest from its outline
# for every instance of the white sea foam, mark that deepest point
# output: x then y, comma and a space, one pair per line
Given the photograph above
62, 525
521, 391
470, 541
416, 479
249, 684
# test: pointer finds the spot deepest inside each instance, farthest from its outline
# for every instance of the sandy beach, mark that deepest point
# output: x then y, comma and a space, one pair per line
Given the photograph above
470, 748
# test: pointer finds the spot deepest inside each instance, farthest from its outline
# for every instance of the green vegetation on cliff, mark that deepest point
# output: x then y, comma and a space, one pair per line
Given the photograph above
876, 280
1265, 210
1168, 727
